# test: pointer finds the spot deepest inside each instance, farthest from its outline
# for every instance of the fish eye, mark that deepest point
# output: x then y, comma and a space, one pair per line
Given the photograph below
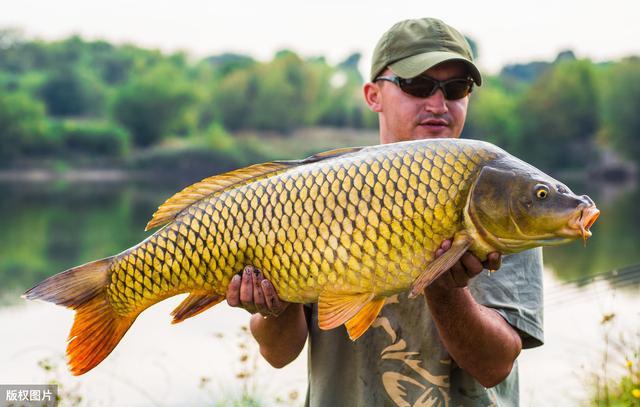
542, 191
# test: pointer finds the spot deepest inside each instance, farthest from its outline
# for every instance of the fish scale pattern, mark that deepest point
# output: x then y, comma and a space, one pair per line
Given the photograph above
365, 222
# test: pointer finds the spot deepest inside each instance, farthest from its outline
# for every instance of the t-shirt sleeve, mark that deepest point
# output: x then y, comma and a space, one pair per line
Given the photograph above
515, 291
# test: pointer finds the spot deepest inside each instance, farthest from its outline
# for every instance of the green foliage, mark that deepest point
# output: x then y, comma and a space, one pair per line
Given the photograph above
492, 117
621, 99
559, 116
233, 98
98, 138
547, 112
272, 96
72, 92
17, 55
22, 124
622, 389
227, 63
154, 105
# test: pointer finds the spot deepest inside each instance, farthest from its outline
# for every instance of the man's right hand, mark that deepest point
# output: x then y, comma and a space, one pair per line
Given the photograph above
251, 291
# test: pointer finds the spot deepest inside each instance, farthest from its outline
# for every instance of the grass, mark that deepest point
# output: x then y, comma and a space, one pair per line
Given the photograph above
617, 384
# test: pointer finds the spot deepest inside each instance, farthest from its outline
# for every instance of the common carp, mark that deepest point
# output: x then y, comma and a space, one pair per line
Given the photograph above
345, 228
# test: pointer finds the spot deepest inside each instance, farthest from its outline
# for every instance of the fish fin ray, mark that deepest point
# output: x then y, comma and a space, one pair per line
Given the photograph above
208, 186
334, 309
443, 263
73, 287
193, 305
85, 351
361, 322
97, 328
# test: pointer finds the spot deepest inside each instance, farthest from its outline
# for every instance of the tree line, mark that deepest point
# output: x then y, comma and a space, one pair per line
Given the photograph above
73, 98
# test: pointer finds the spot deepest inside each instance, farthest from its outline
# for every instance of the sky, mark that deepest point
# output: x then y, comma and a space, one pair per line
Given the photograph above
507, 32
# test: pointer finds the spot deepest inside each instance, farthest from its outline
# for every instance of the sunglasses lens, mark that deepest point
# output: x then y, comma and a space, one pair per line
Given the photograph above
457, 89
423, 87
419, 86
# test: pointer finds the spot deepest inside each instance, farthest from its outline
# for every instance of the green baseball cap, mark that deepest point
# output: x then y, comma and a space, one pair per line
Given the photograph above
411, 47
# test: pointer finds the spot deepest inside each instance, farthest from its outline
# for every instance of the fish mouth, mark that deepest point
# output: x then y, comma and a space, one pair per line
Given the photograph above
582, 221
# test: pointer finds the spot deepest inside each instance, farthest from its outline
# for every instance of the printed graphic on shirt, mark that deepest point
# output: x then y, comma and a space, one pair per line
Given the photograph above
416, 386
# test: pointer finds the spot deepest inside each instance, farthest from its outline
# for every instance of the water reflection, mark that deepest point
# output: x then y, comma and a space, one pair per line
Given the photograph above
47, 228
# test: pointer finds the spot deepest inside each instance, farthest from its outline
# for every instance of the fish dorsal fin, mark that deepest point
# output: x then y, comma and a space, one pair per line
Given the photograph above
460, 244
217, 183
334, 309
325, 155
193, 305
359, 324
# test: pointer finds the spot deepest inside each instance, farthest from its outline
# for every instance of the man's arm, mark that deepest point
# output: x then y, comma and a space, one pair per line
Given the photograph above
478, 338
280, 328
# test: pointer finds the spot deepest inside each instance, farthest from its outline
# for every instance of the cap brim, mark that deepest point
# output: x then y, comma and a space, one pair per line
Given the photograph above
417, 64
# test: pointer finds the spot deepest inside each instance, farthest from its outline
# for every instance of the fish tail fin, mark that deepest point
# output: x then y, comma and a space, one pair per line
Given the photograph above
97, 328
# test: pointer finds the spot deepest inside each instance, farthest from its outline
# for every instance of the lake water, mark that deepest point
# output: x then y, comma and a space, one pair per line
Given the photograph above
51, 226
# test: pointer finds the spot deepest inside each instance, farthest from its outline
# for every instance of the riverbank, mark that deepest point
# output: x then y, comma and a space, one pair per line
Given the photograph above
187, 160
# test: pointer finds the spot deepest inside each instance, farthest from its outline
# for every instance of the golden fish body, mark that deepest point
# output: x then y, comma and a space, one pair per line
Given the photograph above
365, 222
345, 228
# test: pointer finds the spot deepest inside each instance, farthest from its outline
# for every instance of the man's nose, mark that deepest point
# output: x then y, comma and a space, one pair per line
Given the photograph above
436, 103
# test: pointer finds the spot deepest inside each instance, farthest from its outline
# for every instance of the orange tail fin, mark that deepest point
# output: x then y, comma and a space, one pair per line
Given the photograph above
97, 329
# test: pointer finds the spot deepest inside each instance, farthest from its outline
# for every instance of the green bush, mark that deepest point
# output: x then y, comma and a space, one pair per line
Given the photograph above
154, 105
22, 124
91, 137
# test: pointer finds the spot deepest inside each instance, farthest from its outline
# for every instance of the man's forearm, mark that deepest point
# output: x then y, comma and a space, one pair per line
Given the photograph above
281, 338
478, 338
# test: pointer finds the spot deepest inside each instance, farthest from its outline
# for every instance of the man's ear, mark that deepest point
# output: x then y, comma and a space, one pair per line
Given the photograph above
373, 96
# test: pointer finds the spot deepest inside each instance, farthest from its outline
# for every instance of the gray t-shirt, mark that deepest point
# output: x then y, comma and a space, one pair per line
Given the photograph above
401, 361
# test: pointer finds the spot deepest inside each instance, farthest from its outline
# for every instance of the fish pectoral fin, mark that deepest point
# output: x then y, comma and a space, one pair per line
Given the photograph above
359, 324
460, 245
334, 309
193, 305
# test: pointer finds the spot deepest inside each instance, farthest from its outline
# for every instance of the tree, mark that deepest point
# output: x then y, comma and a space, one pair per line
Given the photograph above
493, 117
72, 92
153, 105
559, 115
621, 98
22, 124
270, 96
229, 62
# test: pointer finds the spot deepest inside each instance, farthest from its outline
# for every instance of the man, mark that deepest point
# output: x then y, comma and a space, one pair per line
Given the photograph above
448, 347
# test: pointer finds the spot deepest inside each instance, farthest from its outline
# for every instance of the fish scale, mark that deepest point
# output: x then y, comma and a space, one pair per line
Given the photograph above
366, 223
345, 228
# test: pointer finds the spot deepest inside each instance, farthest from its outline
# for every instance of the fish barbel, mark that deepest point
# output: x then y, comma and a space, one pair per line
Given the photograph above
345, 228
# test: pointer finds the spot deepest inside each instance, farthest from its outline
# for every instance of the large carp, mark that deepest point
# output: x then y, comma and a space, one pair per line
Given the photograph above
345, 228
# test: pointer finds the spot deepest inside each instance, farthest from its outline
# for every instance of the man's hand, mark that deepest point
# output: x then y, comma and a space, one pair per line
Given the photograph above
465, 269
251, 291
478, 338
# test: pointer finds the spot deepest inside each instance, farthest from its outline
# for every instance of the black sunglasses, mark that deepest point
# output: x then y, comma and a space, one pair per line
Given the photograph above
423, 86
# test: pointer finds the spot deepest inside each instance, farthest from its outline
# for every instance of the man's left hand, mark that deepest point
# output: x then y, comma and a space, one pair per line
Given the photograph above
465, 269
